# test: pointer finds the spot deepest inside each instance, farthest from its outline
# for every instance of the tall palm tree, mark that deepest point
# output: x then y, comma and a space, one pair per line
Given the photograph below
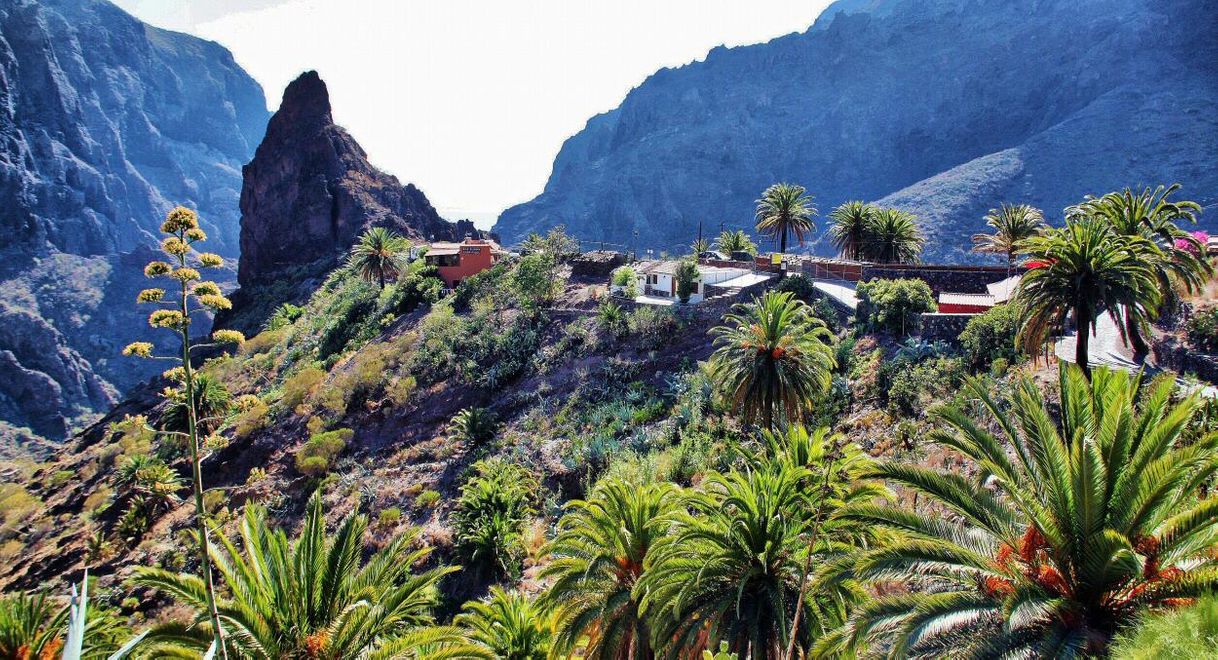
735, 240
851, 225
597, 558
785, 208
379, 255
307, 598
1083, 268
699, 246
1077, 524
894, 237
1154, 216
1012, 224
773, 357
727, 567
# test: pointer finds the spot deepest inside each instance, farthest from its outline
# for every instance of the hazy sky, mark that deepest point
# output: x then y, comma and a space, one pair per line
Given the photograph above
468, 99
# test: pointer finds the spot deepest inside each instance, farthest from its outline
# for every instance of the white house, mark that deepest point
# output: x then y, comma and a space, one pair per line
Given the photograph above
659, 279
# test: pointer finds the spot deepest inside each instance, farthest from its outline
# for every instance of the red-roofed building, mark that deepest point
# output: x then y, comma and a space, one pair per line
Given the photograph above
457, 261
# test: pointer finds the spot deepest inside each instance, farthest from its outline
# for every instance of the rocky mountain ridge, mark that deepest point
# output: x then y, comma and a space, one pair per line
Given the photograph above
105, 124
307, 196
942, 108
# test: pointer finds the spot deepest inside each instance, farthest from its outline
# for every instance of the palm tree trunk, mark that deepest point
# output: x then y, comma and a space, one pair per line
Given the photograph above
1134, 333
1082, 336
782, 240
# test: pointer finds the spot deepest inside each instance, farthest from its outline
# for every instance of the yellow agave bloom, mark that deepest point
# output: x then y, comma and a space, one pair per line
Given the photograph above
245, 402
215, 301
157, 269
185, 274
211, 260
228, 337
206, 289
150, 295
194, 235
176, 373
174, 246
166, 318
180, 219
138, 349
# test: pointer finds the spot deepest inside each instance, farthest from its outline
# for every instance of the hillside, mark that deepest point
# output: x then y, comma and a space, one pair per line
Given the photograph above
940, 108
105, 124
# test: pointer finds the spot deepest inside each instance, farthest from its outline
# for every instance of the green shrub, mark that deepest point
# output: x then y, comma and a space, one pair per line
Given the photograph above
489, 517
299, 386
533, 280
990, 336
427, 499
285, 315
389, 517
908, 387
687, 279
317, 455
799, 285
654, 324
1185, 634
345, 325
1202, 330
894, 306
254, 417
611, 318
487, 282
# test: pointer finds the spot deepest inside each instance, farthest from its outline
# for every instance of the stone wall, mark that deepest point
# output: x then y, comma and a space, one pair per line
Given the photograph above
596, 264
943, 327
953, 279
1170, 354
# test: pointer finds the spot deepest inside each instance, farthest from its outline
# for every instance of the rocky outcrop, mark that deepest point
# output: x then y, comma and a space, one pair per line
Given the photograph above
105, 124
307, 196
944, 108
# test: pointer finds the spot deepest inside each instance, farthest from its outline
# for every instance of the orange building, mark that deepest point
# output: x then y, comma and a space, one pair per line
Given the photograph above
457, 261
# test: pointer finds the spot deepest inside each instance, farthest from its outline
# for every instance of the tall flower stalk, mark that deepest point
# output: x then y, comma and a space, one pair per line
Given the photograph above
192, 295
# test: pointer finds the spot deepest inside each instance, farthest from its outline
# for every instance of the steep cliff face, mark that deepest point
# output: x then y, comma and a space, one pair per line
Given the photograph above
307, 196
945, 108
105, 124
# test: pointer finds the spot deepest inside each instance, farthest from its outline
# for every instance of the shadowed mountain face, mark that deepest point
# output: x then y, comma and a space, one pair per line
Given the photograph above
307, 196
105, 124
944, 108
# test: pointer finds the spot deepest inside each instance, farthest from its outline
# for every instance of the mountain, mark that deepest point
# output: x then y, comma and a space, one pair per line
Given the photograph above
944, 108
307, 196
105, 124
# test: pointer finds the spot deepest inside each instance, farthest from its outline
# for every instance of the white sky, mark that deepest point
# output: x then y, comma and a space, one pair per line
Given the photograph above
471, 100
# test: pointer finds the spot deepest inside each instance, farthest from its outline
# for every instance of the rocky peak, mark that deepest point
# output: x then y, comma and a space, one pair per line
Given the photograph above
306, 101
307, 196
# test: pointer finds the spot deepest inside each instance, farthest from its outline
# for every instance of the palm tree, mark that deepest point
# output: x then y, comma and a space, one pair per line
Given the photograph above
380, 254
774, 357
307, 598
597, 558
1083, 268
32, 627
894, 237
473, 426
212, 403
505, 625
736, 240
1073, 526
851, 227
699, 246
785, 208
1012, 224
727, 567
1153, 216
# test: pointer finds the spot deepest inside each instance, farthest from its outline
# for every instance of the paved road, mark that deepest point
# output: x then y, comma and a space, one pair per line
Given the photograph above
839, 290
1107, 350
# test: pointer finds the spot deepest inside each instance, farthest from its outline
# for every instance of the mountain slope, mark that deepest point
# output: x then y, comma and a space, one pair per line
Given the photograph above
105, 124
887, 97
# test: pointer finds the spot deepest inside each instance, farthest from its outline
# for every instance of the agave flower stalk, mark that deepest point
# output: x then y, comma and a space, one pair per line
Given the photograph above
192, 296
